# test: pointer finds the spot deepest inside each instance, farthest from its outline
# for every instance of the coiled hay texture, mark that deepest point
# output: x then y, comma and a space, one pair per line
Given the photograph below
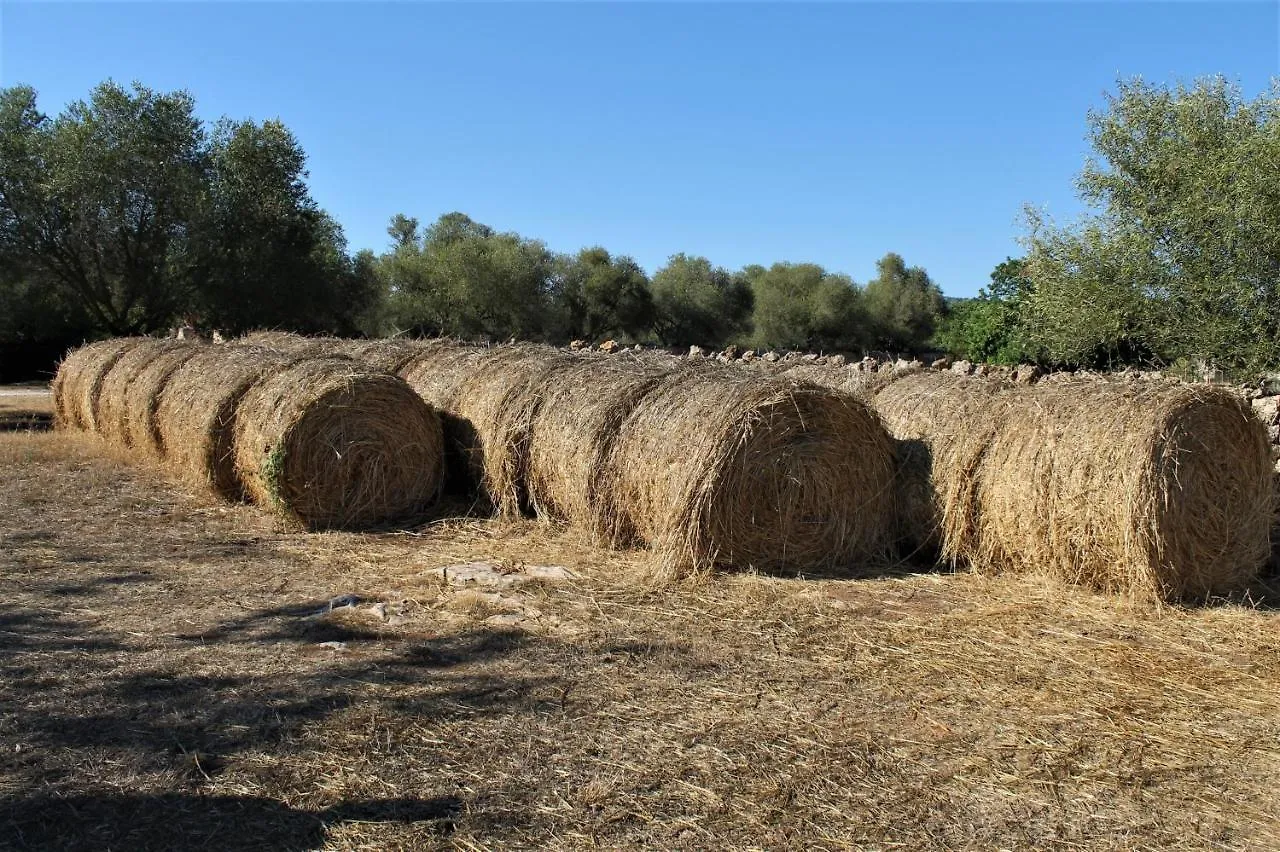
1153, 490
389, 356
78, 383
142, 396
113, 412
843, 379
287, 342
438, 376
581, 411
497, 403
197, 411
338, 445
726, 467
941, 424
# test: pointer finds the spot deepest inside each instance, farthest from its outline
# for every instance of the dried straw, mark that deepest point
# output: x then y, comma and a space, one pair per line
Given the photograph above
197, 410
941, 424
143, 393
78, 383
725, 467
338, 445
582, 408
498, 399
113, 413
1152, 490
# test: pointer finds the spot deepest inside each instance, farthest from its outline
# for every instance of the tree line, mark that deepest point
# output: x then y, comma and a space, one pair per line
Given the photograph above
126, 214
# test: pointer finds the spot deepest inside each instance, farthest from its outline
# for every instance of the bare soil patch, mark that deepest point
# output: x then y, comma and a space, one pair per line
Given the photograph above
180, 673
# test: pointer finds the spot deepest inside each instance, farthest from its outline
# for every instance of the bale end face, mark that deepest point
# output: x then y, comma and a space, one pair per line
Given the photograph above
723, 468
339, 446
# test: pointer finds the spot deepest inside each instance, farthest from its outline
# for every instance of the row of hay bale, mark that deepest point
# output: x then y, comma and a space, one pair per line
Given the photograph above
1157, 489
1154, 489
706, 466
329, 441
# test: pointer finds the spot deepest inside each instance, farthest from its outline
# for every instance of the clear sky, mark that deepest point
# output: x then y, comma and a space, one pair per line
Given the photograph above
747, 133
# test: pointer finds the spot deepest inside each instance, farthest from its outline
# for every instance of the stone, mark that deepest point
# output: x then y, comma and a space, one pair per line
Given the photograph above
697, 352
836, 360
1027, 374
609, 346
577, 345
963, 368
941, 364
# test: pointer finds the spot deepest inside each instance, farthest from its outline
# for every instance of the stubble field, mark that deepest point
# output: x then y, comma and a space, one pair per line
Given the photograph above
176, 672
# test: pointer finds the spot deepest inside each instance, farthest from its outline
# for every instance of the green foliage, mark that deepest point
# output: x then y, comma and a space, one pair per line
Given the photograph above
802, 306
598, 296
132, 215
904, 305
99, 200
1181, 257
268, 256
698, 303
462, 278
990, 328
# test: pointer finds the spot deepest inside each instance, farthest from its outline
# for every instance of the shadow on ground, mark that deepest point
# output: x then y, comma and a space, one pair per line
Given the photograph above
166, 821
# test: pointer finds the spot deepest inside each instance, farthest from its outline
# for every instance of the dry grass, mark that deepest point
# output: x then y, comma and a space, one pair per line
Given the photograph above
142, 398
338, 446
78, 382
114, 415
171, 677
25, 408
719, 466
486, 398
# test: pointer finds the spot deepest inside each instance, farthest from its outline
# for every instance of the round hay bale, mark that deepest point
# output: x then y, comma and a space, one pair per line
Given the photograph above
389, 356
1151, 490
142, 396
285, 341
438, 376
940, 425
583, 406
726, 467
338, 445
498, 400
197, 409
78, 384
113, 412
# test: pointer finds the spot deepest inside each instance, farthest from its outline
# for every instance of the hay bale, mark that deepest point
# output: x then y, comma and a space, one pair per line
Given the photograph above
1150, 490
197, 409
498, 401
143, 393
390, 356
78, 383
582, 408
438, 375
286, 341
338, 445
721, 466
941, 424
113, 413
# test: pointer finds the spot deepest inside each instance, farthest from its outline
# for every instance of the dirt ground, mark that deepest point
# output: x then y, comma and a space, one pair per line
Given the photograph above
179, 673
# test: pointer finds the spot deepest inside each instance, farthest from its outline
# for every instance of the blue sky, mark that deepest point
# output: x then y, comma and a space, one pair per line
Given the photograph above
747, 133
